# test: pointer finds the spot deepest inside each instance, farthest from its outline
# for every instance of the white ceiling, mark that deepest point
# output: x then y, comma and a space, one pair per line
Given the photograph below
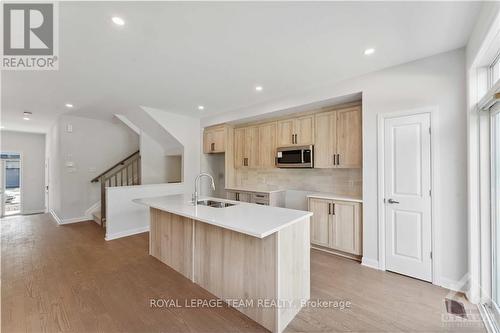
176, 56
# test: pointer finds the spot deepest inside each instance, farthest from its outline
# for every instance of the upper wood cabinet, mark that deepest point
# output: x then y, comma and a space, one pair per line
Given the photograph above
246, 147
349, 134
296, 131
267, 145
338, 139
214, 140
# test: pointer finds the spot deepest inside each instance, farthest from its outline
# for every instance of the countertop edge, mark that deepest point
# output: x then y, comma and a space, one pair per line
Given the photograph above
253, 190
262, 235
334, 197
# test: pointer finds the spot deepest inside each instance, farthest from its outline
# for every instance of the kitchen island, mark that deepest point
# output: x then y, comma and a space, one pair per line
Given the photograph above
258, 256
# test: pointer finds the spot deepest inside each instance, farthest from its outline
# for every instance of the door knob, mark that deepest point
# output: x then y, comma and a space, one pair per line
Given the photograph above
392, 201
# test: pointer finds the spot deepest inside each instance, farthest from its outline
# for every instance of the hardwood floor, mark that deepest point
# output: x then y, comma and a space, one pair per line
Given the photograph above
68, 279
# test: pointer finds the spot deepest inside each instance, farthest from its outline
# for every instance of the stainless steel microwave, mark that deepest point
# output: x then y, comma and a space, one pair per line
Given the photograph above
295, 157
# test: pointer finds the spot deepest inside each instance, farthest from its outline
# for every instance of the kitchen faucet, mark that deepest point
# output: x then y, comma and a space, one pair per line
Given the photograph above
196, 181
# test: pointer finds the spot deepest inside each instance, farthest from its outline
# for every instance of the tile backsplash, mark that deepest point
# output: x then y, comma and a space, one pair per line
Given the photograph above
338, 181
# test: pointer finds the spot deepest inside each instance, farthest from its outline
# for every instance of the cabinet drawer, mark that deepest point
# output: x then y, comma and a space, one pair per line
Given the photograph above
261, 202
260, 197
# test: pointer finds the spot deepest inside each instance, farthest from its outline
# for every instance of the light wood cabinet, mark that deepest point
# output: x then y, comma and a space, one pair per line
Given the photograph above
296, 131
349, 135
286, 132
320, 221
239, 196
267, 145
246, 147
336, 225
214, 140
338, 139
346, 227
304, 130
325, 146
239, 147
276, 198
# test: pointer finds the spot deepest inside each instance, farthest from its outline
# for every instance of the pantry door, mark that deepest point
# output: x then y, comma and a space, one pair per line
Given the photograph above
407, 195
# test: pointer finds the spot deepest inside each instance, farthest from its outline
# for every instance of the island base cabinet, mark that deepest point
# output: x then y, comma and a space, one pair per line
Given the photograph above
261, 272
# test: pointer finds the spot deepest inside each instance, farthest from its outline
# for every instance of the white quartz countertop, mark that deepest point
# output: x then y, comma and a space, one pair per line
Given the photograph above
333, 196
250, 219
260, 189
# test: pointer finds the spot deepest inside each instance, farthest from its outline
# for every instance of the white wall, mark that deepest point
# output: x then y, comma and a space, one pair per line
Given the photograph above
186, 130
153, 161
124, 217
32, 149
435, 81
93, 146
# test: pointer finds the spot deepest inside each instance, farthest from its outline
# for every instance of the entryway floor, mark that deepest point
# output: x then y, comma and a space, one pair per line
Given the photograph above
68, 278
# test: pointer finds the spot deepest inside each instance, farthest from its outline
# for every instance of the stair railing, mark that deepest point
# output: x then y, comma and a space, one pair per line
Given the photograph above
125, 173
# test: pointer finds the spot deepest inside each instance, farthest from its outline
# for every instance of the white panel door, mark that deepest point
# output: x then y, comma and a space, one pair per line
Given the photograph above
407, 177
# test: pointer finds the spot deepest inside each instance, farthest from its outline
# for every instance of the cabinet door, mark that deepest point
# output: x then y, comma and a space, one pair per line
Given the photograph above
267, 145
304, 130
252, 146
349, 138
285, 132
218, 141
239, 147
320, 221
346, 227
207, 139
325, 139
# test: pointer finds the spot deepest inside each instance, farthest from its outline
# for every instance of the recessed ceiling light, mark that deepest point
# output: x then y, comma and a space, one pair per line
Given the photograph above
369, 51
118, 20
2, 127
69, 105
26, 115
258, 88
26, 118
201, 107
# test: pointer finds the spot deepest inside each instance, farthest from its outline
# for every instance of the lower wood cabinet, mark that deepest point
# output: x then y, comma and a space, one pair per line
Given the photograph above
239, 196
336, 225
276, 199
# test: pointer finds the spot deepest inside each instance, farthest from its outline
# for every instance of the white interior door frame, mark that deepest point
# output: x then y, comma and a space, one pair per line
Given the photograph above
381, 117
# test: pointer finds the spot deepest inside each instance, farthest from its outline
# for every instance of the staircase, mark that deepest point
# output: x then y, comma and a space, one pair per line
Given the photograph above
127, 172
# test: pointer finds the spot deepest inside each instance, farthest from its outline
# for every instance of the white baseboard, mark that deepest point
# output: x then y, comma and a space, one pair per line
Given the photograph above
370, 263
33, 211
60, 221
92, 209
452, 285
126, 233
54, 216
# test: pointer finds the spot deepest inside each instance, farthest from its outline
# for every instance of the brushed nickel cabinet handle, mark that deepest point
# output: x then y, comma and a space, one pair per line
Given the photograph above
329, 209
333, 209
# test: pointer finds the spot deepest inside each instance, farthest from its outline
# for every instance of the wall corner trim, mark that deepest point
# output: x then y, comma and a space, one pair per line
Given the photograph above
126, 233
371, 263
452, 285
55, 217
